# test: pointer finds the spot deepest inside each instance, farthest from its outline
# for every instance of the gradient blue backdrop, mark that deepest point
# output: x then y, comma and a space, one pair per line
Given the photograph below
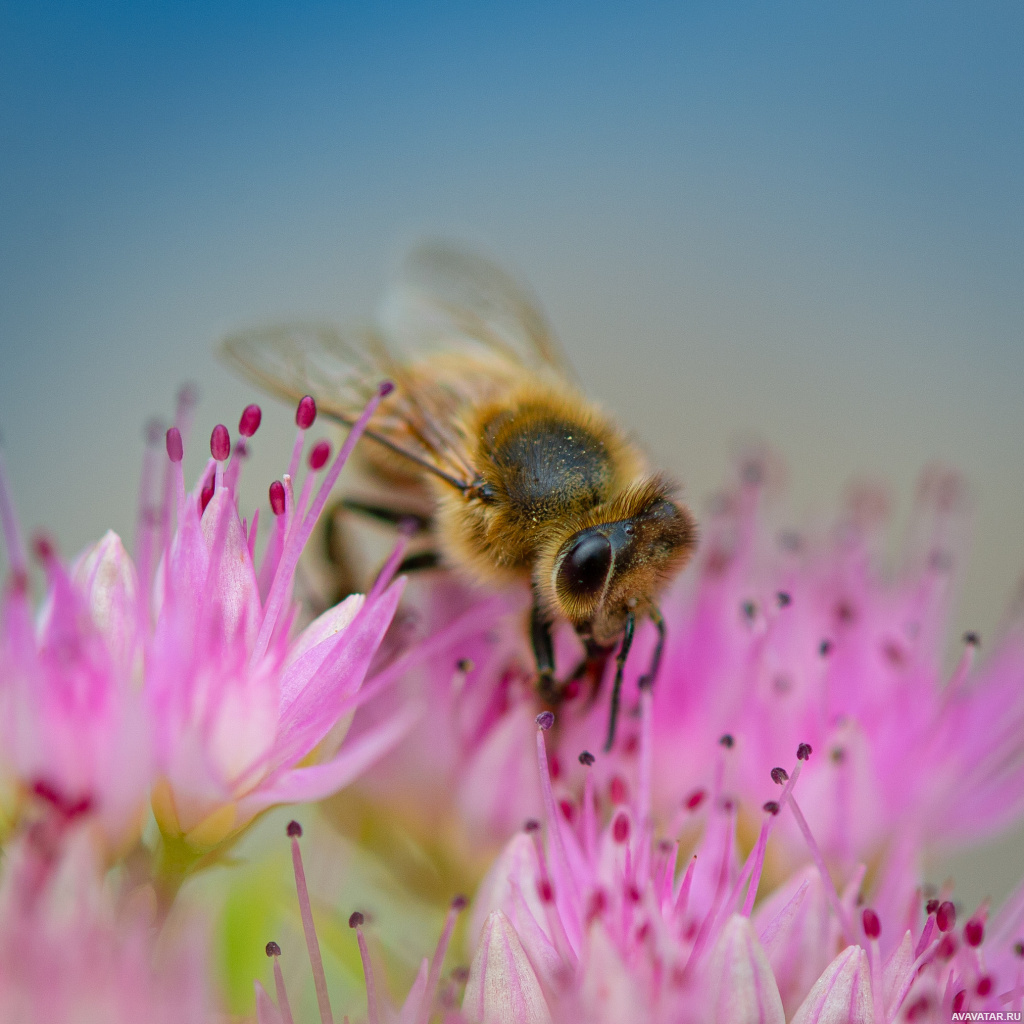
801, 221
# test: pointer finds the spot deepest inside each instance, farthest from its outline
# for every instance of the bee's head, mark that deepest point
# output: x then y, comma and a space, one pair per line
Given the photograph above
603, 571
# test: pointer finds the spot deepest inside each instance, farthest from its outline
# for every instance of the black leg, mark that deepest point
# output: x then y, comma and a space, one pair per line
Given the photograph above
421, 561
543, 653
620, 663
384, 514
647, 680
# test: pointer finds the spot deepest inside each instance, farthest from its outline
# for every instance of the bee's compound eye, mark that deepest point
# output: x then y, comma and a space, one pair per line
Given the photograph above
585, 566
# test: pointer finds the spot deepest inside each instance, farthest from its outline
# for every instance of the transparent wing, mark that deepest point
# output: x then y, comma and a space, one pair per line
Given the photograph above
449, 295
341, 372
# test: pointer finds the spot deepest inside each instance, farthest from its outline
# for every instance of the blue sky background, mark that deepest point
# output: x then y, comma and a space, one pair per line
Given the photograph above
799, 221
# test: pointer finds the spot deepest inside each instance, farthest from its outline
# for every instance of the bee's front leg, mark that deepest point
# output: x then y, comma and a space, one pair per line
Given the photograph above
543, 654
620, 664
647, 679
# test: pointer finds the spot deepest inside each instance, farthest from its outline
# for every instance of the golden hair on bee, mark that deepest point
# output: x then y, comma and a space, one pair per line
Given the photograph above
516, 475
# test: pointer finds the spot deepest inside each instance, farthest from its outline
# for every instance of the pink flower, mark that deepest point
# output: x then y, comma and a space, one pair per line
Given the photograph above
74, 736
246, 715
73, 951
814, 642
596, 925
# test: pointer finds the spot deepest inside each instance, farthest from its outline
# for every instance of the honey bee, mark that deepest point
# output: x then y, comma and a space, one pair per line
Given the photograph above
524, 479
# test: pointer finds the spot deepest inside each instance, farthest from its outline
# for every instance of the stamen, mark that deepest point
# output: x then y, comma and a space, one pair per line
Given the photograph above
819, 863
434, 976
274, 952
716, 901
175, 448
589, 809
620, 827
299, 536
277, 498
356, 920
561, 862
683, 895
220, 443
319, 455
872, 929
312, 943
945, 916
305, 414
252, 415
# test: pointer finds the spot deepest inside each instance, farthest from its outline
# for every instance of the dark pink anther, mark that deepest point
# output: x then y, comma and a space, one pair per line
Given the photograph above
205, 497
175, 449
220, 442
974, 932
250, 421
780, 776
385, 388
545, 720
294, 830
771, 807
620, 828
945, 916
695, 799
459, 903
305, 414
803, 752
355, 919
319, 455
273, 949
586, 758
872, 926
277, 498
42, 547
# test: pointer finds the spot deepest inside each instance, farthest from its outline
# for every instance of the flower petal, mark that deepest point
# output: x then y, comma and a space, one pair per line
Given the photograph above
742, 988
502, 988
319, 781
842, 995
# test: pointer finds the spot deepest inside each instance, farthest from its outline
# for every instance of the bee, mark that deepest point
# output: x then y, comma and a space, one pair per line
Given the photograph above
522, 478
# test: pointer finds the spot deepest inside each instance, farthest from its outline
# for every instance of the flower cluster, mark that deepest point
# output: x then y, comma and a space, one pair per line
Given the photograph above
179, 677
750, 850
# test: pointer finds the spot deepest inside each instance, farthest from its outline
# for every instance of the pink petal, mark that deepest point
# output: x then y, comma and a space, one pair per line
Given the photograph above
266, 1011
105, 576
741, 986
502, 988
842, 995
316, 782
320, 698
234, 590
